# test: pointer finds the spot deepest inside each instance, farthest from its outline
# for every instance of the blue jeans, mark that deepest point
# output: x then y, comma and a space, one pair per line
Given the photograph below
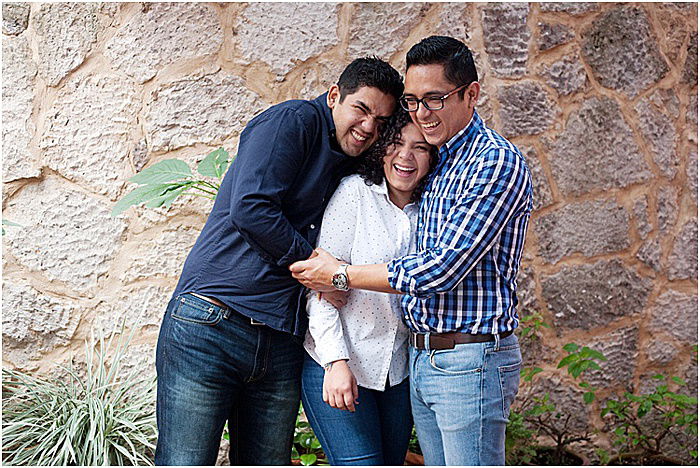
377, 433
213, 367
461, 400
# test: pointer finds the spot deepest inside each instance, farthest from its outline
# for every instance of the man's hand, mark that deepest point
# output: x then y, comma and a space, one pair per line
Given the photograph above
338, 299
340, 387
317, 271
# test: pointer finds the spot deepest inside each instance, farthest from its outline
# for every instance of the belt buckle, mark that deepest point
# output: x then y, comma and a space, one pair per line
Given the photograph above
256, 323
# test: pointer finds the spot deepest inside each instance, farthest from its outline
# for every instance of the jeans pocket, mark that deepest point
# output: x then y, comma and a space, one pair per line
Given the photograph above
456, 363
188, 310
509, 379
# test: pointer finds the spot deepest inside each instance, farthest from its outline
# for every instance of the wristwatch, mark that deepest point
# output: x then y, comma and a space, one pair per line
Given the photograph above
340, 278
328, 367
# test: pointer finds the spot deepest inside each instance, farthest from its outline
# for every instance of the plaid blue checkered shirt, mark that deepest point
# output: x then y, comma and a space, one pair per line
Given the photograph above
471, 231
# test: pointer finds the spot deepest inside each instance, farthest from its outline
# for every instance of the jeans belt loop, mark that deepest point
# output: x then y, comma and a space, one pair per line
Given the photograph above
497, 339
426, 341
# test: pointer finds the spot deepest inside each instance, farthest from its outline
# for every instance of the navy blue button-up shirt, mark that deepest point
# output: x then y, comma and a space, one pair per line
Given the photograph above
267, 214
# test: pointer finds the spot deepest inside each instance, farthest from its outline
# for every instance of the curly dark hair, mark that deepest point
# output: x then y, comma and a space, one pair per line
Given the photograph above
371, 167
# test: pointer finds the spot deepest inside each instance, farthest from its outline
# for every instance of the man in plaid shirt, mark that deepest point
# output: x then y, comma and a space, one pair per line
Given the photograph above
460, 286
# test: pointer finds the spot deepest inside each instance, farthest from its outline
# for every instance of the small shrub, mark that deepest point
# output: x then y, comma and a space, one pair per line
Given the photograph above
102, 418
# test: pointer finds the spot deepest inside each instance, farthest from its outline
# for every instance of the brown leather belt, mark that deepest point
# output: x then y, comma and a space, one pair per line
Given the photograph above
425, 341
218, 303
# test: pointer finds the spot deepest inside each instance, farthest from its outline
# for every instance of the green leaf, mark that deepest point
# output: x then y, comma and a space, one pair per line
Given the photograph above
214, 164
567, 360
308, 459
678, 380
571, 347
163, 171
658, 377
6, 222
140, 195
588, 397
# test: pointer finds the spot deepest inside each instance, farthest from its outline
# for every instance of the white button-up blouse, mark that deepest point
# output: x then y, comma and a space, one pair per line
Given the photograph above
362, 226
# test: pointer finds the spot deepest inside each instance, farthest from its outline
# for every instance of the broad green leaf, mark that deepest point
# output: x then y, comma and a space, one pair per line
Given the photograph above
571, 347
567, 360
308, 459
7, 222
142, 194
214, 164
163, 171
588, 397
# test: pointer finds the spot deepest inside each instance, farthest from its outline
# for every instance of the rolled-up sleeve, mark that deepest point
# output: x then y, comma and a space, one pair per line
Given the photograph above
498, 189
272, 150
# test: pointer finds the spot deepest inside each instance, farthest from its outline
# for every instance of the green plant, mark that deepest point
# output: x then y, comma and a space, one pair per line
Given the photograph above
306, 447
105, 417
535, 416
642, 423
161, 183
7, 222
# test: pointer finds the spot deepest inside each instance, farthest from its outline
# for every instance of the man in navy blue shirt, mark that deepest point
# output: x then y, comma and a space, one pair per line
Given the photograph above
229, 348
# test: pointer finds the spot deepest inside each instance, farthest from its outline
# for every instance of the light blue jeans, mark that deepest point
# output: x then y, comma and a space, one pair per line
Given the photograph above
461, 400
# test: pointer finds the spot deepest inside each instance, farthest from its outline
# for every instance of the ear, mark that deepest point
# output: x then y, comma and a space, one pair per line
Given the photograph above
333, 97
473, 91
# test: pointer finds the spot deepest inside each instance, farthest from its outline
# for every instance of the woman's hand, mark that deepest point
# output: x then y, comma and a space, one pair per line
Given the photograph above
337, 298
340, 387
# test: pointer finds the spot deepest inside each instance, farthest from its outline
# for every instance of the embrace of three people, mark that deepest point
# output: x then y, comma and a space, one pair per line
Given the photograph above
361, 256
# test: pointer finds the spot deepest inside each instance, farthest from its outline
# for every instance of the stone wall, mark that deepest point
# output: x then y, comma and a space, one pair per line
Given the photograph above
601, 98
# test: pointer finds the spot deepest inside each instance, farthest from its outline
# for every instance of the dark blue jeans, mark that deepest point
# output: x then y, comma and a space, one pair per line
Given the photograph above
377, 433
214, 366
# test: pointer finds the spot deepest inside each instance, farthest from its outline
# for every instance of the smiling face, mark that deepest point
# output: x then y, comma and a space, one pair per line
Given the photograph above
359, 117
440, 125
406, 162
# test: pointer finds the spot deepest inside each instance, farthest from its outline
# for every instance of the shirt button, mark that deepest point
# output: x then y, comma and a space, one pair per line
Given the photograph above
313, 226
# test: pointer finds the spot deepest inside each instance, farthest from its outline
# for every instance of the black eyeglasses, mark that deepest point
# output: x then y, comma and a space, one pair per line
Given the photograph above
432, 103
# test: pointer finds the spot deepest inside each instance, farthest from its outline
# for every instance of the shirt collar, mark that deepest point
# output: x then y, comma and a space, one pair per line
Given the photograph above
383, 189
322, 103
463, 136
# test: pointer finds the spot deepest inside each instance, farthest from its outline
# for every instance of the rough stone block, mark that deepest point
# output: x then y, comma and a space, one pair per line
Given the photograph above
692, 114
642, 215
621, 350
572, 8
506, 37
590, 228
67, 236
690, 69
526, 109
199, 109
566, 75
19, 77
622, 52
596, 150
675, 28
395, 20
455, 20
658, 129
139, 306
589, 296
163, 34
88, 133
553, 34
67, 33
661, 352
650, 253
676, 314
527, 296
283, 34
161, 256
683, 259
567, 400
667, 208
15, 18
317, 80
541, 192
34, 322
691, 172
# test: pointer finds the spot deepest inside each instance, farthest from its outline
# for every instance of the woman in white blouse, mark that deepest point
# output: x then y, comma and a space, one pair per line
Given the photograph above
354, 383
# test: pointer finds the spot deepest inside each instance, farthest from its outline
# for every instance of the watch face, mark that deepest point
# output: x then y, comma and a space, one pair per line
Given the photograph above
340, 281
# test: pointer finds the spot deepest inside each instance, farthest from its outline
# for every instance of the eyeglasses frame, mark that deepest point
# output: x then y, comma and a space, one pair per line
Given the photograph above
420, 101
